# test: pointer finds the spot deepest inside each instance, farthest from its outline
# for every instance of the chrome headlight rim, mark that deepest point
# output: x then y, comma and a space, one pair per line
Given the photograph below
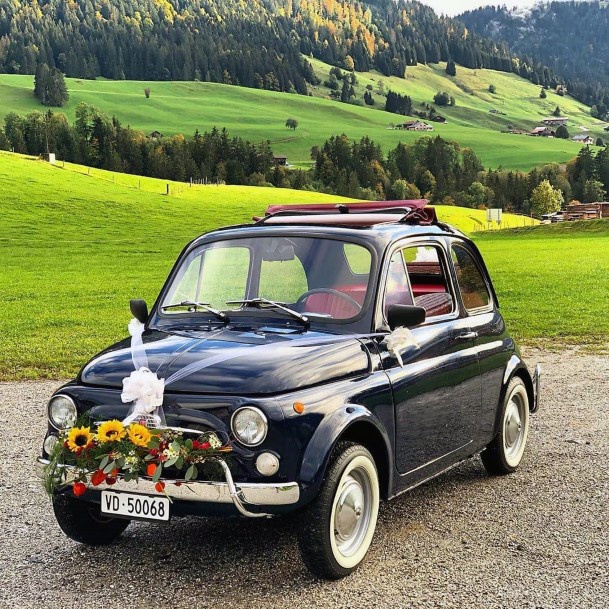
52, 421
265, 425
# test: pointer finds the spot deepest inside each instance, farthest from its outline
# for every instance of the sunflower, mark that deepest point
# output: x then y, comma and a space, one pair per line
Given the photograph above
139, 434
110, 431
79, 438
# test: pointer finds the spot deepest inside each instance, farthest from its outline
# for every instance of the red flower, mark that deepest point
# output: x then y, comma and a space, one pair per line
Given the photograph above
150, 469
114, 473
160, 487
153, 451
201, 445
110, 480
98, 477
79, 489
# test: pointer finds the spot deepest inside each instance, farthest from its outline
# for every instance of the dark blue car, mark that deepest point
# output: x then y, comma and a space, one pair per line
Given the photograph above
350, 353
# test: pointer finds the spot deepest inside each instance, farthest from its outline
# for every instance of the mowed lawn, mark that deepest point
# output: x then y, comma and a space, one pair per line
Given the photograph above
75, 248
183, 107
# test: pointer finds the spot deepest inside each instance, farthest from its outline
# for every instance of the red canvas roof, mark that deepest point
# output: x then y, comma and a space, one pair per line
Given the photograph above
364, 213
359, 206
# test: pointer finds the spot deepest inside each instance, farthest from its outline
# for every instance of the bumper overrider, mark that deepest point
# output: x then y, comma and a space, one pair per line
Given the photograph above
242, 495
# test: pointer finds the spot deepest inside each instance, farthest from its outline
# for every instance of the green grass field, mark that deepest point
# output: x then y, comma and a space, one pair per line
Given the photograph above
182, 107
75, 248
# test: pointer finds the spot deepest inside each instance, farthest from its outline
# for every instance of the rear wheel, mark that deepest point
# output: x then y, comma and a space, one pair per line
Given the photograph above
83, 522
504, 454
338, 526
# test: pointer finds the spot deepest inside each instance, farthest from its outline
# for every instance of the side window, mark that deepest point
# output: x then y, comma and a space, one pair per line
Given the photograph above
397, 289
472, 286
417, 275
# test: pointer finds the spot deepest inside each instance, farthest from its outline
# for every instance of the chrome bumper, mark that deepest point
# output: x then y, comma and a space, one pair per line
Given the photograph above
536, 387
241, 494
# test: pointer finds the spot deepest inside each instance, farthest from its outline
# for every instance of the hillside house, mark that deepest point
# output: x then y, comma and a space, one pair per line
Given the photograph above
155, 135
280, 161
415, 126
587, 211
555, 121
438, 118
583, 139
542, 132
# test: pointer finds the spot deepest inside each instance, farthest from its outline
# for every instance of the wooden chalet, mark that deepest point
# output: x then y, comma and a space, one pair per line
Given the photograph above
555, 121
587, 211
415, 126
280, 160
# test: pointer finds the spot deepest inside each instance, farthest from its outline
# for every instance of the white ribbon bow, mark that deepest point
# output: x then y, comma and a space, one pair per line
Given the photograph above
398, 340
142, 387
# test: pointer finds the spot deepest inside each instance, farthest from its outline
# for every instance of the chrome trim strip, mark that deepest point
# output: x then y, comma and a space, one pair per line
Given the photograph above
437, 459
238, 493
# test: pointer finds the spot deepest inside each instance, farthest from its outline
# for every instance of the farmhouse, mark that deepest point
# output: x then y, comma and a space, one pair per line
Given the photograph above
542, 132
583, 139
415, 126
587, 211
555, 121
280, 161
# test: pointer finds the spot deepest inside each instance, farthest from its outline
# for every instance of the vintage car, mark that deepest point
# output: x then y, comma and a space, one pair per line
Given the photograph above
348, 352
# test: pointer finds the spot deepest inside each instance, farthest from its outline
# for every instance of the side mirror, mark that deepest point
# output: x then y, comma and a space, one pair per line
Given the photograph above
407, 316
139, 309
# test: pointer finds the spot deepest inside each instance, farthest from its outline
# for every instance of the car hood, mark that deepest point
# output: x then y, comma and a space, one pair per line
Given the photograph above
233, 361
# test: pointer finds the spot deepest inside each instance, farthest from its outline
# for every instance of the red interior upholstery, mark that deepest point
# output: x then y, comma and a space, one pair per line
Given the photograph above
435, 304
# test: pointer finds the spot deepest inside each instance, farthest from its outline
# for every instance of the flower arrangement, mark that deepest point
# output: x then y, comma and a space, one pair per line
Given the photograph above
115, 450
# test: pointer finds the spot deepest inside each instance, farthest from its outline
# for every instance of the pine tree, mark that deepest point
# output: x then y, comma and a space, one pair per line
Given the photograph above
451, 68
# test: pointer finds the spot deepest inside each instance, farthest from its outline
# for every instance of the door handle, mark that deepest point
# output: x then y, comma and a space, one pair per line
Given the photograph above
468, 336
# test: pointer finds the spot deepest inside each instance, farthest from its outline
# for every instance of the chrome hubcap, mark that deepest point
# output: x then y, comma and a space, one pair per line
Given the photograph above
513, 426
352, 512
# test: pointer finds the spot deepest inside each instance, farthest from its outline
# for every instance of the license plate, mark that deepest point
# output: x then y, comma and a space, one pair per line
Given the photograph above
132, 505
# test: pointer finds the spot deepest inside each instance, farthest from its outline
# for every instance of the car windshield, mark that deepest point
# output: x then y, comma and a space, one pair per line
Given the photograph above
317, 277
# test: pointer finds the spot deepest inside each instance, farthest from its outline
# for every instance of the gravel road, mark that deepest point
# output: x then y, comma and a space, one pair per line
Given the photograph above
538, 538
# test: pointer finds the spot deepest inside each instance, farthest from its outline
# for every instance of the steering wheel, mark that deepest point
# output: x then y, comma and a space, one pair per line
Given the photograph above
345, 297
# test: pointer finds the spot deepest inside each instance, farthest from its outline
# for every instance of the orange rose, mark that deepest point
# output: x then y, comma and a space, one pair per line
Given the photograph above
150, 469
98, 477
160, 487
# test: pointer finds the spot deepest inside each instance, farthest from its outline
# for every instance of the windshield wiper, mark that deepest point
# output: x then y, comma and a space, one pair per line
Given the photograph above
202, 305
272, 304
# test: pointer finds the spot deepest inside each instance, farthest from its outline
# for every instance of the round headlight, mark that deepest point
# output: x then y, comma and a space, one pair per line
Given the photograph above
49, 444
267, 464
62, 412
249, 426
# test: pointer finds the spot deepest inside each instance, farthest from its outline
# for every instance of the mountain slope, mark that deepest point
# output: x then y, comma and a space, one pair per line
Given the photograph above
569, 37
183, 107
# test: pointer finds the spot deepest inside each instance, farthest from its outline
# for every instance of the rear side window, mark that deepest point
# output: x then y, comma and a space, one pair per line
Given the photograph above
472, 286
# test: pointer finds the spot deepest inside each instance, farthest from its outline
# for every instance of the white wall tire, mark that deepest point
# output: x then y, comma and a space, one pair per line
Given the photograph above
505, 452
339, 525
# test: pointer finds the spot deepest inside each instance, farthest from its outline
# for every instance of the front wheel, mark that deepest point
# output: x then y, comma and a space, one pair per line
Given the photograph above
504, 454
83, 522
338, 526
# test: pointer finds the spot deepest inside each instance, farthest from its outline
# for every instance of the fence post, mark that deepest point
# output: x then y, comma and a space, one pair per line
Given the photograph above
167, 189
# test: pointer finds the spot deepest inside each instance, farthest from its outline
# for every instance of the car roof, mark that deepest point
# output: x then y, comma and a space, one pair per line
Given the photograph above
379, 221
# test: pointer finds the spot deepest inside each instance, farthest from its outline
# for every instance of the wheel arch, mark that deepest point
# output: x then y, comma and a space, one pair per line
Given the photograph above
353, 423
515, 368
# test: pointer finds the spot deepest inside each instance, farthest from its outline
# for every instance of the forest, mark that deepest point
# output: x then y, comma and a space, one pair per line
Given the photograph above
432, 167
259, 43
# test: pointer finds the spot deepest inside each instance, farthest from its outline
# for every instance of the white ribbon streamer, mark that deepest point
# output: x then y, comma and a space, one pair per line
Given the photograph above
399, 340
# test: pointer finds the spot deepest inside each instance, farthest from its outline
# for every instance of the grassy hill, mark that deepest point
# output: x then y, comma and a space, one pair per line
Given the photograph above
77, 244
182, 107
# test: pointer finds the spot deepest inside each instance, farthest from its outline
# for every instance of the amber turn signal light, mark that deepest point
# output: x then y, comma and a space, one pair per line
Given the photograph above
298, 407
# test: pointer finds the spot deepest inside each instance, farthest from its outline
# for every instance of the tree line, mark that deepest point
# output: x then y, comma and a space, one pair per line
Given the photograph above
432, 167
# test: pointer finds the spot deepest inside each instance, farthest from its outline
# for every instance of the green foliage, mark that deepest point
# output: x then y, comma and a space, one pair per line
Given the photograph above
492, 89
398, 104
562, 132
50, 86
545, 199
291, 123
442, 98
594, 192
451, 69
543, 94
556, 111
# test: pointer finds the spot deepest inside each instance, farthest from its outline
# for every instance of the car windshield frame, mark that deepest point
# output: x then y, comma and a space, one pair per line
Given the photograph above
161, 319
